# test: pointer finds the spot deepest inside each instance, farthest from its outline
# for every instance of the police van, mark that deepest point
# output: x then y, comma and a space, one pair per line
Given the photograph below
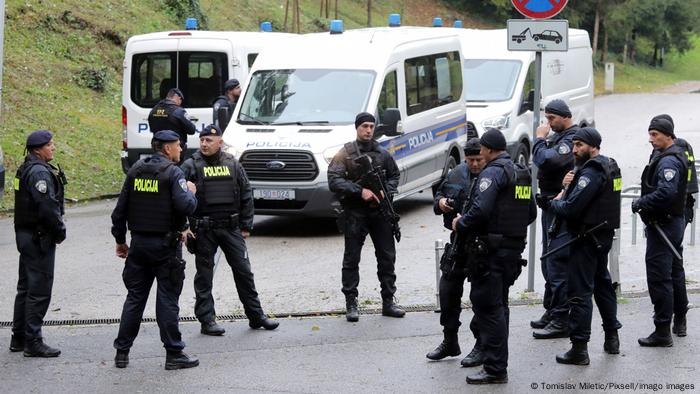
501, 84
299, 104
196, 62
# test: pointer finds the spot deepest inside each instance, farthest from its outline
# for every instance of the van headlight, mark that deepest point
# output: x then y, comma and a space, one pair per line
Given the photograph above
497, 122
330, 152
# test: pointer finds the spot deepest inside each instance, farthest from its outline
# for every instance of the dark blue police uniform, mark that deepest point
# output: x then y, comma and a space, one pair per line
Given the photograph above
166, 115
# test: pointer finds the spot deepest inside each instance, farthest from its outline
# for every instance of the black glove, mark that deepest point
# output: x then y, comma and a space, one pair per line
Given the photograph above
635, 206
59, 236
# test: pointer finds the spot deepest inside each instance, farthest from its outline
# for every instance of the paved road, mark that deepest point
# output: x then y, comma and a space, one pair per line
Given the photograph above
297, 261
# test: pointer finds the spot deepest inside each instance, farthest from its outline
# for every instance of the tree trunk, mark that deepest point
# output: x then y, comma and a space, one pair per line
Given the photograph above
604, 53
328, 4
369, 13
656, 55
286, 12
625, 48
596, 28
336, 9
320, 12
298, 11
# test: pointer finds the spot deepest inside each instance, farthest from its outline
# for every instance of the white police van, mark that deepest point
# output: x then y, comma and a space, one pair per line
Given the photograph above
300, 101
501, 84
196, 62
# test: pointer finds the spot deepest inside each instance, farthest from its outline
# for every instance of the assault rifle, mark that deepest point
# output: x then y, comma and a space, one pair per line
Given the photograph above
451, 256
373, 179
582, 235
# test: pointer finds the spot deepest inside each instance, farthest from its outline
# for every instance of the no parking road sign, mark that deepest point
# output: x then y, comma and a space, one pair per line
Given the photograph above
539, 9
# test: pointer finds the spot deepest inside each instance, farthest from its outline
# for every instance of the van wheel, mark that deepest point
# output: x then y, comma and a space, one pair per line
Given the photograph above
522, 155
451, 164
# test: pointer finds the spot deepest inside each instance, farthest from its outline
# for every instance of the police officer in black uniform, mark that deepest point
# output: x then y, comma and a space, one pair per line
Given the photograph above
224, 218
168, 114
225, 104
362, 216
38, 228
554, 158
154, 202
591, 200
662, 208
502, 206
451, 198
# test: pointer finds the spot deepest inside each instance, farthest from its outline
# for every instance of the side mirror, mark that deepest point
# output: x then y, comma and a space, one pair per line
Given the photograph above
389, 123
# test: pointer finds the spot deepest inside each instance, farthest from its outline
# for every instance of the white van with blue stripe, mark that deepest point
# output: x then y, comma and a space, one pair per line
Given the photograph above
301, 98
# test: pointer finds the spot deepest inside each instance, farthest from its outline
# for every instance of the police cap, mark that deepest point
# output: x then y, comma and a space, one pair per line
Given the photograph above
665, 116
589, 136
231, 84
473, 147
175, 91
493, 139
166, 136
211, 130
39, 138
363, 117
662, 126
558, 107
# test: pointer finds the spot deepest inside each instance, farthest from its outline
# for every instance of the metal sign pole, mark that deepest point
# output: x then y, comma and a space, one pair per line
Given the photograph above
535, 123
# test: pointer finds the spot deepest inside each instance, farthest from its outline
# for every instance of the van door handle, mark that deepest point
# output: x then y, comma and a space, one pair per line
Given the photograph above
449, 114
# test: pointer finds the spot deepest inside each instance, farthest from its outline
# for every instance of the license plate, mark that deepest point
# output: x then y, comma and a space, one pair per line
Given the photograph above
273, 194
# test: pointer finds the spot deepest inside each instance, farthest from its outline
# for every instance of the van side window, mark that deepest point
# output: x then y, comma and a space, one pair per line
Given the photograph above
251, 59
388, 97
527, 95
152, 76
432, 81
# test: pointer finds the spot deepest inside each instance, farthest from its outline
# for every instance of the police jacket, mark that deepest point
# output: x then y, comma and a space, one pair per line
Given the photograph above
664, 183
345, 177
39, 198
167, 115
693, 180
502, 202
153, 200
554, 159
223, 110
222, 187
456, 187
593, 196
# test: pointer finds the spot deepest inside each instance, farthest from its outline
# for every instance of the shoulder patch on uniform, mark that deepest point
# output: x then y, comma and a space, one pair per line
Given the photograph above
583, 182
563, 149
183, 184
669, 173
41, 186
484, 184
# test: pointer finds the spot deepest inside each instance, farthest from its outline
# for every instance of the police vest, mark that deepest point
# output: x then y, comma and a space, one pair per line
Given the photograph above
550, 179
605, 207
160, 117
150, 200
693, 179
676, 206
222, 112
218, 194
511, 215
26, 209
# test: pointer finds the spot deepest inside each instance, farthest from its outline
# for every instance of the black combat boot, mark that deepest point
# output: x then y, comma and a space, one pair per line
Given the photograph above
263, 322
553, 329
483, 377
177, 359
37, 348
577, 355
121, 360
448, 348
661, 337
16, 343
212, 328
542, 321
474, 358
679, 325
389, 308
612, 342
352, 314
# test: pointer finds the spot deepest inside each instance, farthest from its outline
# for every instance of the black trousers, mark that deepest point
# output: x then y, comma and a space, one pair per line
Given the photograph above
589, 277
36, 266
489, 297
359, 223
555, 272
233, 246
451, 291
149, 259
665, 273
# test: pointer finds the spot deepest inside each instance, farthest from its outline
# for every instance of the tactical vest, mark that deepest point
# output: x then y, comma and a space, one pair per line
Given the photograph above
222, 112
693, 176
150, 200
353, 169
26, 210
549, 180
511, 215
161, 115
675, 207
218, 194
606, 205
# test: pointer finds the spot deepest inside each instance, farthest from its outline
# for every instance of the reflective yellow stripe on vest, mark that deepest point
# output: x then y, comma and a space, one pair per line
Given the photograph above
146, 185
217, 171
523, 192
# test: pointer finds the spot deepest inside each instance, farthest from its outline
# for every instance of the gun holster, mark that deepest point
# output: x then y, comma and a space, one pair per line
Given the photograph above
177, 273
341, 219
191, 244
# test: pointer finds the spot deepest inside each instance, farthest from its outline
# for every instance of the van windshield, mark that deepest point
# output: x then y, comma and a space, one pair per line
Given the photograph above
305, 96
490, 79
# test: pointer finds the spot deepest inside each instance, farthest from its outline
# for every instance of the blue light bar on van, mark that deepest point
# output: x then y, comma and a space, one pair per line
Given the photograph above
336, 26
266, 26
394, 20
458, 24
437, 22
191, 24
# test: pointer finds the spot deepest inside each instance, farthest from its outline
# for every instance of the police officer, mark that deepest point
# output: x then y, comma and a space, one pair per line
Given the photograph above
362, 216
224, 218
38, 228
591, 201
662, 208
226, 103
154, 203
501, 209
554, 158
451, 198
168, 114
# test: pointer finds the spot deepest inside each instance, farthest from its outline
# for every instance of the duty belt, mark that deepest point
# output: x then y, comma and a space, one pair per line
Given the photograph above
206, 222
